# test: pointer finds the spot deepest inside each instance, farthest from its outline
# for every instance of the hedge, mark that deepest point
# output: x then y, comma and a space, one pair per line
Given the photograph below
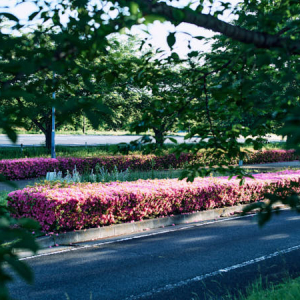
24, 168
62, 207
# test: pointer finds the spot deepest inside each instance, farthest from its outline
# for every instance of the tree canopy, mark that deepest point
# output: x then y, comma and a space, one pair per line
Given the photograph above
247, 85
250, 75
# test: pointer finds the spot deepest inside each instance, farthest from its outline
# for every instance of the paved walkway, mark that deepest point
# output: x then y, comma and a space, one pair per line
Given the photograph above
20, 184
259, 167
271, 167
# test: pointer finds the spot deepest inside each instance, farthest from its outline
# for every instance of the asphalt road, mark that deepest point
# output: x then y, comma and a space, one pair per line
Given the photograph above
207, 260
39, 139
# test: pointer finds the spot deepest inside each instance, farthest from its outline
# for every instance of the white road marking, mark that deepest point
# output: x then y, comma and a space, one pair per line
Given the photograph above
182, 283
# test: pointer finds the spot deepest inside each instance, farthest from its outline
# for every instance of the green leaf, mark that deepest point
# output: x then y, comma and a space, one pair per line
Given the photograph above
134, 8
149, 19
28, 223
171, 40
178, 15
28, 243
33, 15
199, 37
20, 267
109, 78
175, 56
173, 140
11, 134
193, 54
10, 16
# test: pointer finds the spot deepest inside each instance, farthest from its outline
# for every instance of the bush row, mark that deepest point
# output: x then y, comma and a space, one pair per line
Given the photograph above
37, 167
76, 206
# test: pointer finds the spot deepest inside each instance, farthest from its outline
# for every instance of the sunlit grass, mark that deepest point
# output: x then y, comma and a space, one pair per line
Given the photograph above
288, 290
64, 151
88, 151
3, 197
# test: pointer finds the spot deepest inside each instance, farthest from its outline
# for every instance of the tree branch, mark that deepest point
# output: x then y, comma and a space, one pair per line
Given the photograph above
39, 125
259, 39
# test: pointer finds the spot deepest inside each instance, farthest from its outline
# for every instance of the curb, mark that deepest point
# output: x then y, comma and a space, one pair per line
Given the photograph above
86, 235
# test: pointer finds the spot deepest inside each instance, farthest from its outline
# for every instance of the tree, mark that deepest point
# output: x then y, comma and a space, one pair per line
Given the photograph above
254, 64
264, 36
264, 40
167, 91
75, 92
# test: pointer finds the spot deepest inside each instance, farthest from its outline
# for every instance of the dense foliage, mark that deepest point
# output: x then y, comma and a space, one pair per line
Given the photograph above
75, 206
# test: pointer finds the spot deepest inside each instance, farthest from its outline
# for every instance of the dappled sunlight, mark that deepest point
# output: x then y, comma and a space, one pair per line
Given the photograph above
196, 239
93, 254
294, 218
275, 236
250, 221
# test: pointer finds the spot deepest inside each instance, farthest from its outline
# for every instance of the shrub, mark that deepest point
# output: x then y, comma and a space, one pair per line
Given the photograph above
60, 207
37, 167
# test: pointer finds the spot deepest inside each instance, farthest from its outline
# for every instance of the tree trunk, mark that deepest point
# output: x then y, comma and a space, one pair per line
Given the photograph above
83, 125
48, 137
159, 138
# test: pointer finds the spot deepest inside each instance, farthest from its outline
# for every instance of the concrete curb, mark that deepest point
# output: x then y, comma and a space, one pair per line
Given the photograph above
86, 235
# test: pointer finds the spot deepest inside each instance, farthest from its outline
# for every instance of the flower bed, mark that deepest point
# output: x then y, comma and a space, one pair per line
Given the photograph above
78, 206
16, 169
24, 168
261, 157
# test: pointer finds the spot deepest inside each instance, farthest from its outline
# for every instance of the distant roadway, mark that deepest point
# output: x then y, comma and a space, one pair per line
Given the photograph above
90, 140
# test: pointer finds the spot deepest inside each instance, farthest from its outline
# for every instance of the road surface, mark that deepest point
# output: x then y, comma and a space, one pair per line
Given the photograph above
172, 263
39, 139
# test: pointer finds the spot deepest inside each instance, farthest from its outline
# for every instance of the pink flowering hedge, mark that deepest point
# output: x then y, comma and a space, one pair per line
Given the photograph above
24, 168
269, 156
37, 167
78, 206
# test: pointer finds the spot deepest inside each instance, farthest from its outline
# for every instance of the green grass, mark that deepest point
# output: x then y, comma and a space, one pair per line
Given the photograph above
286, 288
3, 198
84, 151
269, 146
65, 151
289, 289
90, 151
75, 132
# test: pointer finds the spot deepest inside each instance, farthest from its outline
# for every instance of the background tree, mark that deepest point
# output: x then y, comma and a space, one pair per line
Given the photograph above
167, 93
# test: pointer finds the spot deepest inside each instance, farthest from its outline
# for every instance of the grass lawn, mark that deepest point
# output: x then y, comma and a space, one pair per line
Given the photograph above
89, 151
65, 151
288, 290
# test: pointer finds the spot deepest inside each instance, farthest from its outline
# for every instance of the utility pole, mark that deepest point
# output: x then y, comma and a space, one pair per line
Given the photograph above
53, 154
